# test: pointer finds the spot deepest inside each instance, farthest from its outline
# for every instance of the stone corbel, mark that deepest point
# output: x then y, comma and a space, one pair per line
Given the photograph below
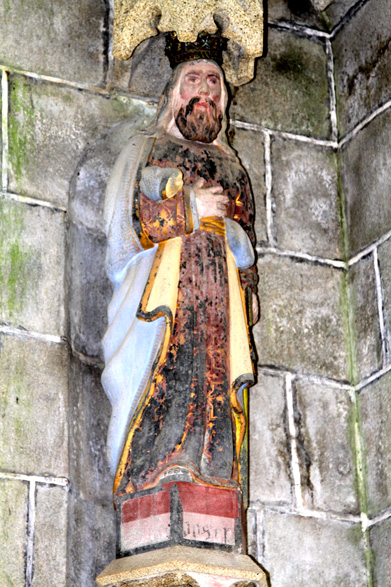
240, 21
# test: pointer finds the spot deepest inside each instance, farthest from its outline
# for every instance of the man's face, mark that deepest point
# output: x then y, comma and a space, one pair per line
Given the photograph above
199, 113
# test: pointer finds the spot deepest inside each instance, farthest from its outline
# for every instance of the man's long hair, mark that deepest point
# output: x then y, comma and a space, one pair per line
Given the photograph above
165, 116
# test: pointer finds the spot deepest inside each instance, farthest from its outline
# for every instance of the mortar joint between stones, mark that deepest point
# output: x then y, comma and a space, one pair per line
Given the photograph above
332, 92
30, 534
293, 436
380, 310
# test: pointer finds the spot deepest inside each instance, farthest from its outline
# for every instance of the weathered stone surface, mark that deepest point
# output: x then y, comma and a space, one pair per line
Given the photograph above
50, 544
1, 137
32, 254
298, 12
305, 192
13, 527
320, 5
366, 319
308, 552
375, 411
302, 317
362, 53
183, 566
250, 148
365, 174
89, 291
384, 253
33, 391
146, 72
327, 440
338, 9
89, 182
50, 128
149, 69
380, 540
269, 461
290, 90
252, 535
91, 539
90, 413
48, 38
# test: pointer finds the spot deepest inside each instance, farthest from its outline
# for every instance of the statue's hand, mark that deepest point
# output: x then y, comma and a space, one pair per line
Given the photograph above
174, 184
210, 201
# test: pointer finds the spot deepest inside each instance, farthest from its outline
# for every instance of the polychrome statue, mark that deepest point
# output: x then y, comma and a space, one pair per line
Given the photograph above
179, 222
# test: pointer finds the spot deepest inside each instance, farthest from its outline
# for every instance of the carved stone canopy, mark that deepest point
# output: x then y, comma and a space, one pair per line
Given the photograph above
240, 21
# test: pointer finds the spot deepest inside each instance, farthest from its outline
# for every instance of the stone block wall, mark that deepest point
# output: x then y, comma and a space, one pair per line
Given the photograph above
313, 131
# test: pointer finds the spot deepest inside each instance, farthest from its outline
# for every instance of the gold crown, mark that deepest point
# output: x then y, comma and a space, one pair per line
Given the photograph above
206, 47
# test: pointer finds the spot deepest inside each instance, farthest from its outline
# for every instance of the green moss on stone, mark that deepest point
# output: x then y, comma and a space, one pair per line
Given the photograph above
14, 260
347, 312
342, 216
361, 461
20, 125
289, 91
13, 495
346, 298
355, 535
326, 20
292, 66
4, 114
17, 401
358, 446
6, 6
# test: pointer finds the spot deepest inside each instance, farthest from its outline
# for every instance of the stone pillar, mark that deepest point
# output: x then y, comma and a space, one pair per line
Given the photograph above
363, 75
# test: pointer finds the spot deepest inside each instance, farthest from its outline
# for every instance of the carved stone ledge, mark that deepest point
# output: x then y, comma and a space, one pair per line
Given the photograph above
240, 21
181, 566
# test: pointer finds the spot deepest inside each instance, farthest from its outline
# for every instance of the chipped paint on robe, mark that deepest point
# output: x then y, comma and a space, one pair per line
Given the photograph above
187, 418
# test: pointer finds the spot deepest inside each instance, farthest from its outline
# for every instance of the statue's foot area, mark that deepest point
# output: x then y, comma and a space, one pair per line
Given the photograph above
179, 512
191, 475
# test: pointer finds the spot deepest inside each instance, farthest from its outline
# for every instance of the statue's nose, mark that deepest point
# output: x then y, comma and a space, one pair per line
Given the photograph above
204, 89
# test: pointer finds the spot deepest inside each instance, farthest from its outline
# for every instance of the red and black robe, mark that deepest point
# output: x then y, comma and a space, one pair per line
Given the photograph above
187, 421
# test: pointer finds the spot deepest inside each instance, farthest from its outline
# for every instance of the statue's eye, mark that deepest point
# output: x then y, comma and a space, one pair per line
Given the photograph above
213, 80
192, 79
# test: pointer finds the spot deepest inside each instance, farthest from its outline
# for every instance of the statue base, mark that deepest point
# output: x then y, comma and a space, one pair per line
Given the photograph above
180, 513
183, 566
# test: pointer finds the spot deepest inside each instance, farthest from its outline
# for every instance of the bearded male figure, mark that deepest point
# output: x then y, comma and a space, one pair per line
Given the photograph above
179, 220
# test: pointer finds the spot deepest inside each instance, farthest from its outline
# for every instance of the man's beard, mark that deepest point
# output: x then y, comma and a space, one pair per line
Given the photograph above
200, 124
